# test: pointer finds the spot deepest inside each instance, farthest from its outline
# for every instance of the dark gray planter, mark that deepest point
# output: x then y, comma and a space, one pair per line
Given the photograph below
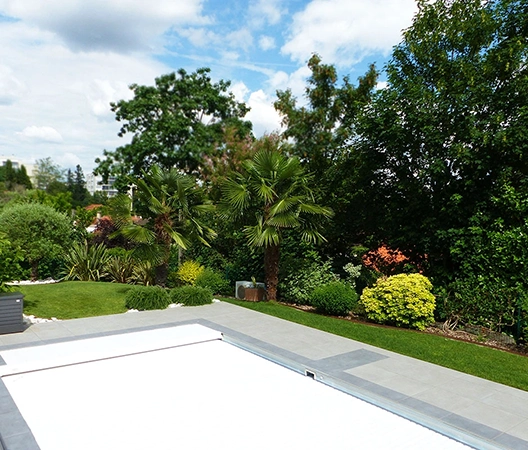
11, 310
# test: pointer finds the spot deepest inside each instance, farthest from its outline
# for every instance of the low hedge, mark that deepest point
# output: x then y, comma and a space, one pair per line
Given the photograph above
145, 298
191, 295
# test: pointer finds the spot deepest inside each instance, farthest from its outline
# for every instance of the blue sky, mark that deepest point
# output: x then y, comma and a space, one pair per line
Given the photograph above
63, 61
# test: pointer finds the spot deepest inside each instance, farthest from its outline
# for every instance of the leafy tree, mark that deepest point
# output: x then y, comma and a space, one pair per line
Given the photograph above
324, 135
324, 129
46, 172
273, 193
449, 133
37, 231
173, 124
172, 205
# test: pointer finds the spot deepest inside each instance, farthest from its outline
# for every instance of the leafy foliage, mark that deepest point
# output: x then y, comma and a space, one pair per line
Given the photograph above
336, 298
297, 287
275, 192
189, 271
86, 262
145, 298
173, 124
120, 266
191, 295
171, 205
402, 300
37, 231
213, 281
10, 259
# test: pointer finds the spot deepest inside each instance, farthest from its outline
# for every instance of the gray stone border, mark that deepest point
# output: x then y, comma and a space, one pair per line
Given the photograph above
16, 434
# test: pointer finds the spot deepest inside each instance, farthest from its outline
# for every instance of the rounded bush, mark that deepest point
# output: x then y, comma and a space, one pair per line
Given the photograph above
189, 271
213, 281
335, 298
401, 300
191, 295
146, 297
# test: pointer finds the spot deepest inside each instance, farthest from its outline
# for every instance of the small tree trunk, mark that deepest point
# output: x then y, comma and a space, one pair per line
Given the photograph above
271, 267
161, 273
34, 270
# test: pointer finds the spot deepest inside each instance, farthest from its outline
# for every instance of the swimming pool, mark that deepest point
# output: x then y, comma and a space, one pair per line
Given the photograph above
187, 387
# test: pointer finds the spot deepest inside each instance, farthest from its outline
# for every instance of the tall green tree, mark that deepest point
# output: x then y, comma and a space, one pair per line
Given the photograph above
271, 194
47, 172
448, 135
324, 128
172, 124
78, 189
37, 231
324, 134
171, 205
22, 177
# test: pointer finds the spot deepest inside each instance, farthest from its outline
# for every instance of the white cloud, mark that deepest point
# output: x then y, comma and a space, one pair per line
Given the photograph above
266, 43
266, 11
345, 31
65, 91
240, 39
46, 134
116, 25
199, 37
262, 114
11, 87
99, 94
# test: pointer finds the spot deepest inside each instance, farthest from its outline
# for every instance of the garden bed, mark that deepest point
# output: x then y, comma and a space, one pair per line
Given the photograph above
475, 335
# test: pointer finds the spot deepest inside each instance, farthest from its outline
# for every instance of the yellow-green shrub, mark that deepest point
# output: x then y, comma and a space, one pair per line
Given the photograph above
402, 300
189, 271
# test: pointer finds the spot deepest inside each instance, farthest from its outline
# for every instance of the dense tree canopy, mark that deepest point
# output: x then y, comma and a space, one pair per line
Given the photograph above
173, 124
447, 138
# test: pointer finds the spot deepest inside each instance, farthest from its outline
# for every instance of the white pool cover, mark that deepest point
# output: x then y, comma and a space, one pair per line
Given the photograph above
185, 388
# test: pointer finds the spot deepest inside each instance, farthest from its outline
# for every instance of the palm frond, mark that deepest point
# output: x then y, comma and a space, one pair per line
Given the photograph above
138, 234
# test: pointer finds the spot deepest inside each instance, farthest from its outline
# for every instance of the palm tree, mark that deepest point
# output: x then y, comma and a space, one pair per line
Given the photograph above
273, 193
170, 206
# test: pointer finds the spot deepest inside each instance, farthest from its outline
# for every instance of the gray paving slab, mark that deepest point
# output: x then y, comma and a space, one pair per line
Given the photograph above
480, 409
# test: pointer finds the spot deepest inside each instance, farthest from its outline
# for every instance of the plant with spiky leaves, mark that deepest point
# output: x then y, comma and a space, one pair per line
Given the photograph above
271, 194
171, 206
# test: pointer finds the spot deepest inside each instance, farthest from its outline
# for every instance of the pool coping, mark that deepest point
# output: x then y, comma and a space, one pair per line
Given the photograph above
331, 370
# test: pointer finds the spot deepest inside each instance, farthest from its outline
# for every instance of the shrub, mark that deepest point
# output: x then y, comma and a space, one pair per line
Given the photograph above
213, 281
143, 273
480, 301
189, 271
120, 266
298, 287
336, 298
401, 300
10, 257
146, 297
191, 295
86, 262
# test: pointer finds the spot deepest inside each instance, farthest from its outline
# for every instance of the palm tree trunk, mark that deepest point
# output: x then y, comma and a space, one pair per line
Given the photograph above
271, 267
161, 273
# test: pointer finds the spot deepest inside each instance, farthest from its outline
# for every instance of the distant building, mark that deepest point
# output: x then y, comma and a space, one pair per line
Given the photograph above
94, 183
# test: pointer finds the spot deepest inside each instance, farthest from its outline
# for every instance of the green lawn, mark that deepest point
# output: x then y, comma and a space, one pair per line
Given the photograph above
484, 362
74, 299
